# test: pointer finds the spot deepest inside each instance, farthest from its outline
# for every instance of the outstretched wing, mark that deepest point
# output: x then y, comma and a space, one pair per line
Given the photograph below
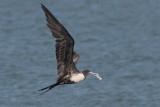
64, 41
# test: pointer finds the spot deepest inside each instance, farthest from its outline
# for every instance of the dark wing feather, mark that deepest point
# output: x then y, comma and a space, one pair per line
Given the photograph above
64, 41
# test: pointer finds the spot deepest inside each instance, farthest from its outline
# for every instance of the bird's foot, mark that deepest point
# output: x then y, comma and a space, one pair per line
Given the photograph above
62, 83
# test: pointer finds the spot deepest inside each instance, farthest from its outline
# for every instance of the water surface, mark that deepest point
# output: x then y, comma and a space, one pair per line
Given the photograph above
118, 39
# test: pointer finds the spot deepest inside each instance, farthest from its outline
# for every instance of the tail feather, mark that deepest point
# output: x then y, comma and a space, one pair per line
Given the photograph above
48, 88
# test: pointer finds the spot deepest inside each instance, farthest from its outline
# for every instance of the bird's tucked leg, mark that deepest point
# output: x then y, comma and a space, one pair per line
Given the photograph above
62, 83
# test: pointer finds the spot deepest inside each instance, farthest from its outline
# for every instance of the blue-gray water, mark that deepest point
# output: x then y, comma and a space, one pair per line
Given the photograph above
119, 39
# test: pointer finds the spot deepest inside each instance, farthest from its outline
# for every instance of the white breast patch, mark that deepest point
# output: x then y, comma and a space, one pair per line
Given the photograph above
77, 77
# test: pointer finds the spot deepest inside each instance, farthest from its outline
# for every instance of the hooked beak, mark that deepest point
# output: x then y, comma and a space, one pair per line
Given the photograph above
95, 74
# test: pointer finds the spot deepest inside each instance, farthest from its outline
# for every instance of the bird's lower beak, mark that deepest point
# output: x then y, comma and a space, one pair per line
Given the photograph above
95, 74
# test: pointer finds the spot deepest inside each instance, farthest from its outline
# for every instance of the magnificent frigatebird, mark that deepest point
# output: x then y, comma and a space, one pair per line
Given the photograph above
66, 57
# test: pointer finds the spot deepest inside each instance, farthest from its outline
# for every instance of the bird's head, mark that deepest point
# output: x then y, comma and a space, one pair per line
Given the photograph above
86, 72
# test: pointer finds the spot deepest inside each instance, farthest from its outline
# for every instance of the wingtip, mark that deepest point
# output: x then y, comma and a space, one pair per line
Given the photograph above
42, 5
44, 8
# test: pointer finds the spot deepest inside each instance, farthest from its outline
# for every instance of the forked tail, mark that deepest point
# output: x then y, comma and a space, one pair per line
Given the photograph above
48, 88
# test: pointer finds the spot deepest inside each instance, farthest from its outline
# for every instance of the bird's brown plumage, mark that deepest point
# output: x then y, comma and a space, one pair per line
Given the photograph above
66, 57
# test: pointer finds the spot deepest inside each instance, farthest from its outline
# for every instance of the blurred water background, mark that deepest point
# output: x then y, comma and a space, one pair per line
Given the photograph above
119, 39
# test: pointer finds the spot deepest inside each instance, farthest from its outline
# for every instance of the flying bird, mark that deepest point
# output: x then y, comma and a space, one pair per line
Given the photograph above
65, 54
